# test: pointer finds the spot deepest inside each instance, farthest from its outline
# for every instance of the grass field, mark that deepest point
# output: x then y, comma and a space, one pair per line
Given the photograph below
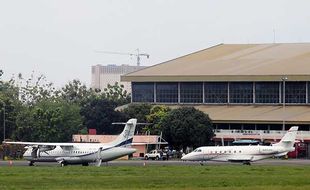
156, 177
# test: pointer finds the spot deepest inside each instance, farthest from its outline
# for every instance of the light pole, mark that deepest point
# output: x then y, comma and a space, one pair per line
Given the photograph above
3, 129
283, 114
4, 121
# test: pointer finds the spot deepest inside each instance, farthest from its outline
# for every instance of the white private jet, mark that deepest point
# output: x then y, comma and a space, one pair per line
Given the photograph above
81, 153
244, 154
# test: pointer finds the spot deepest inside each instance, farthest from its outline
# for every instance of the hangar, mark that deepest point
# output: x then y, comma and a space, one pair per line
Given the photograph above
248, 90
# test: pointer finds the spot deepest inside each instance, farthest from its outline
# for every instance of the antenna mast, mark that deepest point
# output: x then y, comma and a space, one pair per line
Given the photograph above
274, 36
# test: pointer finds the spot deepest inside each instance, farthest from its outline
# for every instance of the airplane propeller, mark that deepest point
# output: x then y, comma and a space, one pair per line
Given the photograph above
99, 160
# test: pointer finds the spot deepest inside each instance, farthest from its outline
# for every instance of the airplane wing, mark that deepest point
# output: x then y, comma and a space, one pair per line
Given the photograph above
38, 147
40, 144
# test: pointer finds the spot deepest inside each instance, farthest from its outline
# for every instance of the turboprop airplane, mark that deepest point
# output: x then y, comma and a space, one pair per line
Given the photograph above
244, 154
81, 153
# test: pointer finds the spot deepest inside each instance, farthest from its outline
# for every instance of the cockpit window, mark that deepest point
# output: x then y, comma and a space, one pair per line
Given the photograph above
197, 150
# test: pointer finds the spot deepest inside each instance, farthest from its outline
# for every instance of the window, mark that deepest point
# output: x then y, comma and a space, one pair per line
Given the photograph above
267, 92
216, 92
295, 92
167, 92
248, 126
241, 92
308, 92
191, 92
142, 91
197, 150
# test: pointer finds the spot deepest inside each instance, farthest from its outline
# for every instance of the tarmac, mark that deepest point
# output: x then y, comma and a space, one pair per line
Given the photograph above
268, 162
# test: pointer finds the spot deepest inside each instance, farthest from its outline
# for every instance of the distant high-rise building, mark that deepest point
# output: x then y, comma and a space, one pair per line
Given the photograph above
102, 75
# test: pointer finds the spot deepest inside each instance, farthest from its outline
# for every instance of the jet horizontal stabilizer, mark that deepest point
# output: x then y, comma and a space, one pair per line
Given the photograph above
121, 123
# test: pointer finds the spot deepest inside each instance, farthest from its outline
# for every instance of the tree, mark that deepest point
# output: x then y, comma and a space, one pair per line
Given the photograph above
187, 127
48, 121
100, 113
9, 106
157, 113
1, 73
138, 111
34, 89
117, 94
36, 111
10, 109
76, 92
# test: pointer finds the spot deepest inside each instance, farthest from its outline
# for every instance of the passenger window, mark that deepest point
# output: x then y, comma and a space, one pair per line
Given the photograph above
239, 151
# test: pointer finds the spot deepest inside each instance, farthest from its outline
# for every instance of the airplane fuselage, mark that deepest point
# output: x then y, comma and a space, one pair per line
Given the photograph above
235, 153
78, 154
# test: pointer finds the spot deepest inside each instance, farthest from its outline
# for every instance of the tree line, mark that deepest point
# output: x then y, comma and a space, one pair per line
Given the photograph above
37, 111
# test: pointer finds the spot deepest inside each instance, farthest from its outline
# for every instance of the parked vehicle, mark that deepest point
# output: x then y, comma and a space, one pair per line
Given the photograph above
156, 155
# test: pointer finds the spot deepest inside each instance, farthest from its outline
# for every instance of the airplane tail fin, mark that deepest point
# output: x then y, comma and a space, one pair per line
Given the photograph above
288, 139
125, 138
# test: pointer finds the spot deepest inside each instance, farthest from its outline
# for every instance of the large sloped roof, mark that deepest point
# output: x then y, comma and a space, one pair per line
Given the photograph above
255, 114
233, 62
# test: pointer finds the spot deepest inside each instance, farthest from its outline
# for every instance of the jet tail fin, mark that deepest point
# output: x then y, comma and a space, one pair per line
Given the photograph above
126, 136
288, 139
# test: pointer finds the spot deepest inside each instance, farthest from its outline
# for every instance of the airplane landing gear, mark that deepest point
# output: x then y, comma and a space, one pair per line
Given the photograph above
85, 164
247, 163
63, 163
31, 163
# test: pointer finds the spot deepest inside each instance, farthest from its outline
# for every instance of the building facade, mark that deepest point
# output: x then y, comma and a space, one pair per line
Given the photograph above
110, 74
245, 88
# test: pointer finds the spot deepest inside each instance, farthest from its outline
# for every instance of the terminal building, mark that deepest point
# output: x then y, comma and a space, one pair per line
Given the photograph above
250, 91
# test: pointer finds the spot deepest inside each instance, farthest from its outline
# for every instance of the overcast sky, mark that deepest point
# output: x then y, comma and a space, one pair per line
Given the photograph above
57, 38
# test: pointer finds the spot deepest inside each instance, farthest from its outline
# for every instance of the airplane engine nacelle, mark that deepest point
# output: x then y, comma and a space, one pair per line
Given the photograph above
35, 153
46, 148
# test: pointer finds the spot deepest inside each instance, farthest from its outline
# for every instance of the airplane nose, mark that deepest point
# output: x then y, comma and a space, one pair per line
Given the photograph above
185, 157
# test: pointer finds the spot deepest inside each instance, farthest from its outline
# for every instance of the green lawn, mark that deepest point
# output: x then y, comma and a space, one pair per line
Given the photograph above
156, 177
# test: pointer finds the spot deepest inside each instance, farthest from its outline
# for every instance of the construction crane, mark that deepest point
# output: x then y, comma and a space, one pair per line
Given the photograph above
137, 55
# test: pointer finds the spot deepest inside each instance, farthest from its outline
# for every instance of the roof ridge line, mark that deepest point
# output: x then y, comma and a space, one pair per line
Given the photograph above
176, 58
